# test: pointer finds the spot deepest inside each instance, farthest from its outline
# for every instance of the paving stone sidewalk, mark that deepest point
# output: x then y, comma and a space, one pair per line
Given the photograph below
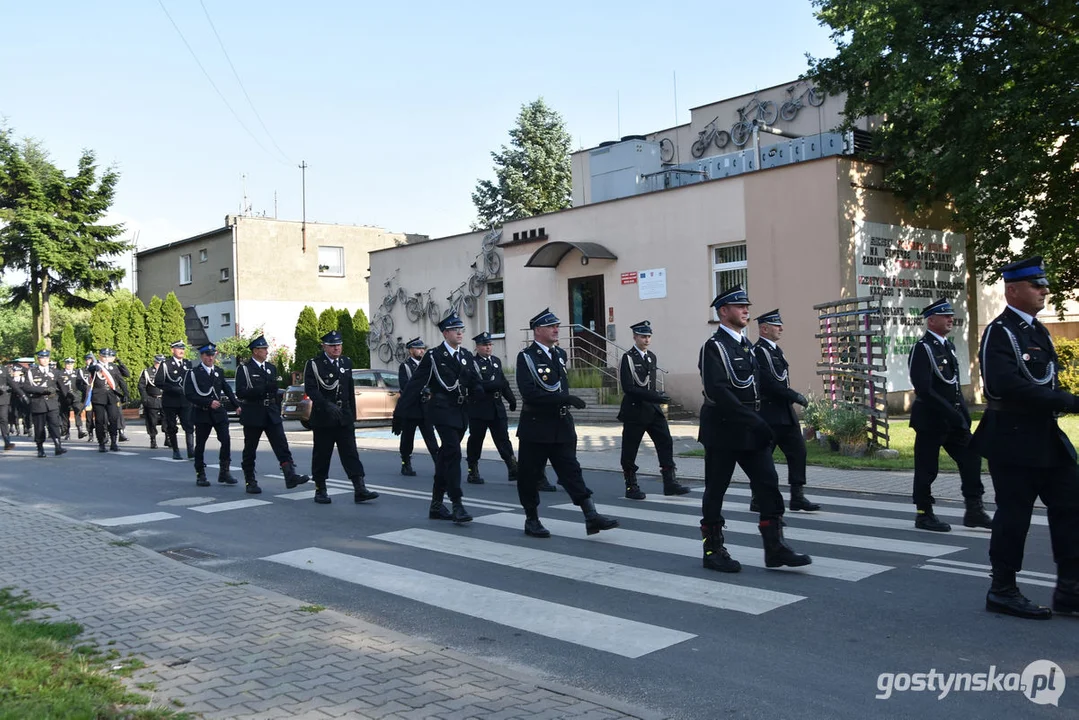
240, 651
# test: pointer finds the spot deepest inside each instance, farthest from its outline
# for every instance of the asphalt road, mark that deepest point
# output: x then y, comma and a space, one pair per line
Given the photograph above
628, 613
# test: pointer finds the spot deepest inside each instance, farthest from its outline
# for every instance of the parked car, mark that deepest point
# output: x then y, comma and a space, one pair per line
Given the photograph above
376, 397
233, 413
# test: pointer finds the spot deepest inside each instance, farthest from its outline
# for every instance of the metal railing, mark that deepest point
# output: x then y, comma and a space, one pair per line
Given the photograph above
588, 350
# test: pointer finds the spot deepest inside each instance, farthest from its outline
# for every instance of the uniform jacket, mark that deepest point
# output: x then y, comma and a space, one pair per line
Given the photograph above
938, 401
330, 386
170, 378
730, 416
777, 398
637, 377
101, 393
449, 381
84, 379
496, 388
1019, 427
202, 388
257, 390
148, 389
42, 387
405, 372
8, 388
544, 387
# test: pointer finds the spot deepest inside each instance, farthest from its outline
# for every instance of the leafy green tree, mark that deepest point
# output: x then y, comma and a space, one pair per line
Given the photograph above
121, 321
532, 174
362, 328
68, 347
172, 320
140, 355
155, 343
15, 321
977, 105
51, 229
307, 335
236, 346
349, 346
282, 360
102, 334
327, 321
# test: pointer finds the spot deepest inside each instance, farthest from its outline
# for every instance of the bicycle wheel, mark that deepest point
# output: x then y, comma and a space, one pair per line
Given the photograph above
722, 139
697, 149
815, 97
491, 239
789, 110
402, 295
385, 353
493, 262
768, 112
433, 313
740, 132
387, 325
469, 305
666, 150
399, 353
412, 309
477, 284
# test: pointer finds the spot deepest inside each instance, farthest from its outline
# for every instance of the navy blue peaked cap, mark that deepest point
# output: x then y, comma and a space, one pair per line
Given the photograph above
772, 317
159, 358
178, 344
644, 327
484, 338
451, 322
208, 349
331, 338
43, 353
940, 307
259, 342
1030, 270
544, 319
107, 352
415, 343
736, 295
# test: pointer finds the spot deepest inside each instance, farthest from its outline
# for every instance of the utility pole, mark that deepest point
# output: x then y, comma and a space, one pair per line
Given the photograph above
303, 201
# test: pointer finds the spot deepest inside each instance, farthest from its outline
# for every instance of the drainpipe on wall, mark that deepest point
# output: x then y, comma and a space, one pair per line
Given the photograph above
235, 285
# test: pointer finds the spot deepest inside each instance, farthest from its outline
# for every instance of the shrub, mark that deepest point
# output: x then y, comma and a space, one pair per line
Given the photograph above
1068, 352
847, 424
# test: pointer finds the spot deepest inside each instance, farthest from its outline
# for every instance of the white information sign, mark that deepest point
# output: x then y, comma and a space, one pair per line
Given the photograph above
909, 268
652, 284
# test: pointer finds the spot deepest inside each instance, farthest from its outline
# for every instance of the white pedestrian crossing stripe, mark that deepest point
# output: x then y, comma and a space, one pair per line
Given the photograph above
957, 567
233, 505
700, 591
627, 638
134, 519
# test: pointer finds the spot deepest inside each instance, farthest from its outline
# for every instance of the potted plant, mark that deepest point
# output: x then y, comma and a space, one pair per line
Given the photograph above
813, 416
848, 427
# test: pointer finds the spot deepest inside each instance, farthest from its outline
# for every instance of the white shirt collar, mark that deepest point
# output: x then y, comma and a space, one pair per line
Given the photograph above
1026, 316
943, 341
208, 368
642, 353
771, 344
544, 348
736, 335
449, 348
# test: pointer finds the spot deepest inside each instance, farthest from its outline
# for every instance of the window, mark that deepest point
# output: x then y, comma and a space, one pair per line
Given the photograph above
203, 255
224, 274
226, 318
496, 309
331, 261
390, 380
185, 269
728, 268
205, 320
364, 379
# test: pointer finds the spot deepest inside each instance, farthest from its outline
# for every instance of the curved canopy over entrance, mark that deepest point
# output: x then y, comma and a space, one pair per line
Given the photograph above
551, 254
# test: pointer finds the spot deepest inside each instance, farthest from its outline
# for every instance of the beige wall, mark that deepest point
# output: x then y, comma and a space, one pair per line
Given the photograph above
159, 271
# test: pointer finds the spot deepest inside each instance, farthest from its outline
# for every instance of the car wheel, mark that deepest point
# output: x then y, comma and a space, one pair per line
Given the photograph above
306, 425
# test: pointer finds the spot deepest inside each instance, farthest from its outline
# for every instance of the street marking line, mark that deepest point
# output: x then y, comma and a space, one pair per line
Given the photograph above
427, 494
981, 574
134, 519
169, 460
699, 591
834, 568
310, 493
234, 505
866, 542
988, 568
627, 638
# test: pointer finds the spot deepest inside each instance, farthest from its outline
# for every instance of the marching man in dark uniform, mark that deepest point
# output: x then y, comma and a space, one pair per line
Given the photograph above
327, 380
84, 381
777, 408
641, 413
1029, 455
446, 372
170, 378
151, 400
68, 401
546, 431
256, 386
42, 386
940, 418
107, 390
8, 389
411, 417
20, 406
487, 411
733, 431
207, 391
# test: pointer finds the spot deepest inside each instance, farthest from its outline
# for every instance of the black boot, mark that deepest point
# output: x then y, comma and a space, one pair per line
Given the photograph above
776, 551
633, 490
58, 449
716, 556
533, 526
41, 449
320, 493
153, 442
799, 501
200, 478
975, 516
113, 447
438, 509
224, 476
101, 447
670, 485
1004, 597
360, 493
593, 521
123, 436
82, 434
251, 483
1066, 597
460, 515
190, 439
288, 469
406, 467
927, 520
511, 469
544, 485
474, 474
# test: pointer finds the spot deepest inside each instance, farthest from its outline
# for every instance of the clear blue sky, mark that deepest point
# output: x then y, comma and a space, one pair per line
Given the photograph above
395, 106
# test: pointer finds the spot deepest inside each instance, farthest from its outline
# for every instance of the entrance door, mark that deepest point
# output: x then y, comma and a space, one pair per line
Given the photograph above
586, 309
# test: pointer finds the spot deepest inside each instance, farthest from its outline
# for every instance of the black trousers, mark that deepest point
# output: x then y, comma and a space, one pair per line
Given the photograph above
927, 463
64, 416
408, 438
532, 458
4, 432
448, 462
152, 416
1016, 487
202, 432
106, 421
325, 438
789, 439
41, 420
658, 431
174, 415
477, 432
275, 434
763, 481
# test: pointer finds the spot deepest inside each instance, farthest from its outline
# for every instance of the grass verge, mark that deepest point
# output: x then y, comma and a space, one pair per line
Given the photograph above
44, 674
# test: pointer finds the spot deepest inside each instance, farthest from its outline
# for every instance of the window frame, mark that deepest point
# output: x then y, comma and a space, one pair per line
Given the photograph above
204, 255
327, 271
499, 297
205, 320
726, 267
226, 319
190, 273
225, 274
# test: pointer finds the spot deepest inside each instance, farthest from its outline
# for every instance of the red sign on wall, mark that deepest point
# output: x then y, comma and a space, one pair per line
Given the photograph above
629, 278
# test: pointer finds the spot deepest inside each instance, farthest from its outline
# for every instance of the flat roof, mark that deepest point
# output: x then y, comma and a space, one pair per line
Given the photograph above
175, 243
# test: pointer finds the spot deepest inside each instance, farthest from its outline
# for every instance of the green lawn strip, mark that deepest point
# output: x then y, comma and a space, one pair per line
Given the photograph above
902, 439
44, 674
